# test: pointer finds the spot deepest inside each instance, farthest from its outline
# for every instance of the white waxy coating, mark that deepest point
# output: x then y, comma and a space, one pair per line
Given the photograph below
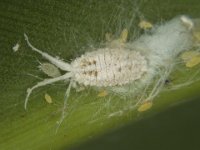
16, 47
109, 67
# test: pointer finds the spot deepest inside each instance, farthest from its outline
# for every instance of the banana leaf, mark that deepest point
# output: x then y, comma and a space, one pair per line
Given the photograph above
67, 29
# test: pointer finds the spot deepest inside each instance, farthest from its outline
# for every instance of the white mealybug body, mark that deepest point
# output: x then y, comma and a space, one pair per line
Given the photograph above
109, 67
138, 61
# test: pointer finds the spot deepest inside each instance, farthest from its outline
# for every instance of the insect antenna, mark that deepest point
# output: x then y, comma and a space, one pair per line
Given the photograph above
58, 63
45, 82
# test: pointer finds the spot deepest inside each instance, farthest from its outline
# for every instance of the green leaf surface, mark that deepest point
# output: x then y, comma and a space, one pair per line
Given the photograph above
67, 29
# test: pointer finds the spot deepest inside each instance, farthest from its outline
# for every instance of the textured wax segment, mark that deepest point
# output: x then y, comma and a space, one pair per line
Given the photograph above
109, 67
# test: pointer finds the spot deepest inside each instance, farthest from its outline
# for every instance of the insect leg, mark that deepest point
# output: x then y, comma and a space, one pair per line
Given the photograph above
65, 104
